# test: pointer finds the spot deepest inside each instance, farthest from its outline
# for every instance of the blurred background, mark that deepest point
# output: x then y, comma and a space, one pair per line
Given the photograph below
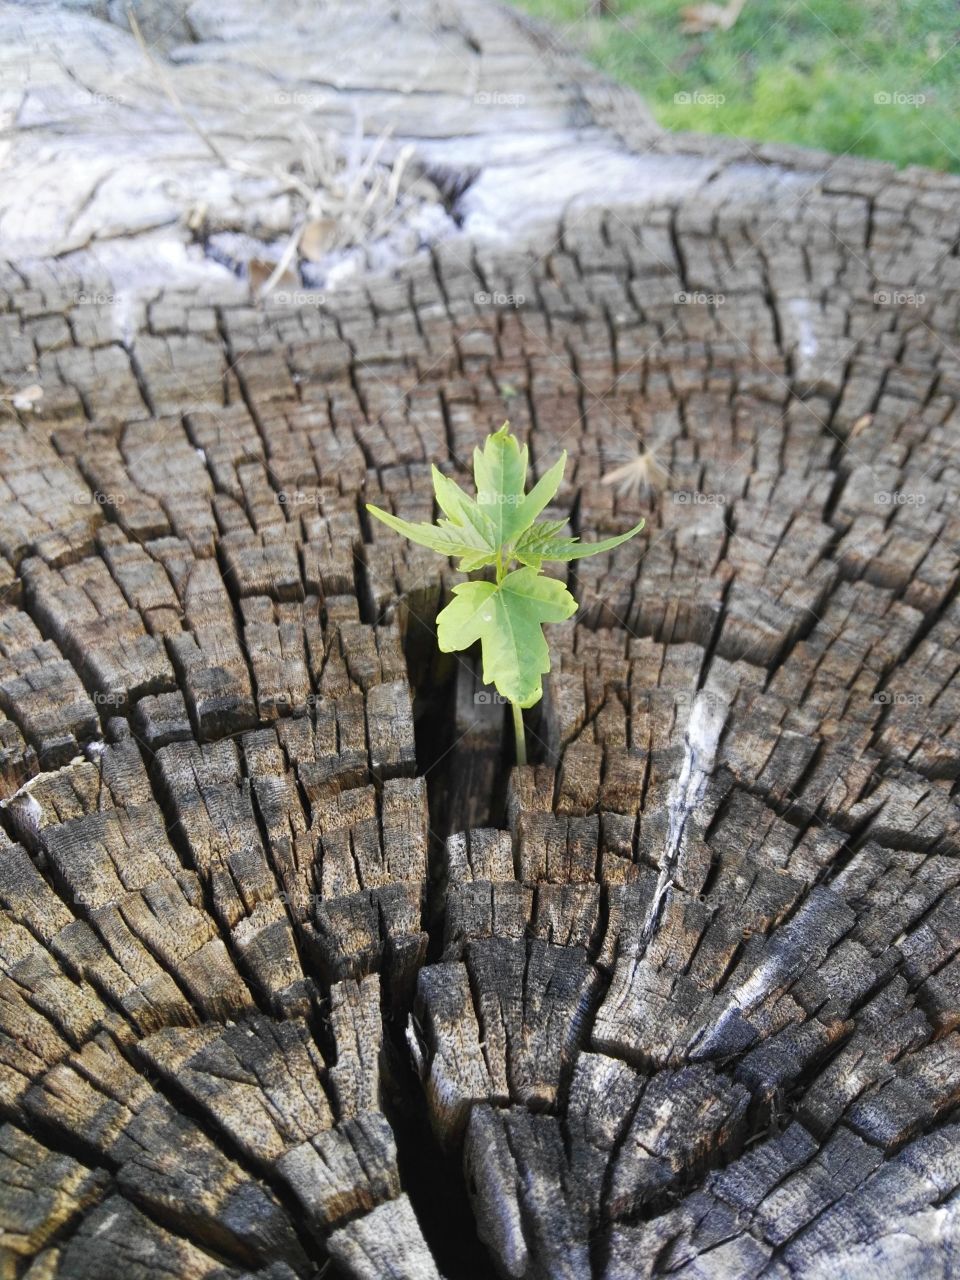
867, 77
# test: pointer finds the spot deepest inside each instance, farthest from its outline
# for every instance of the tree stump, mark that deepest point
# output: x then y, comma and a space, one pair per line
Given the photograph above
299, 976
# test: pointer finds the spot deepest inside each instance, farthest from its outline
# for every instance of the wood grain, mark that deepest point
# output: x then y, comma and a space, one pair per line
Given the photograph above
298, 976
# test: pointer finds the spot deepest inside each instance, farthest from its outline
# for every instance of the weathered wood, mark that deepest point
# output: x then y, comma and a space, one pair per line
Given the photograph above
298, 975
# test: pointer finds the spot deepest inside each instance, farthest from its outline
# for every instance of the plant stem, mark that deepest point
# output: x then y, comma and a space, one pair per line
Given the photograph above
519, 734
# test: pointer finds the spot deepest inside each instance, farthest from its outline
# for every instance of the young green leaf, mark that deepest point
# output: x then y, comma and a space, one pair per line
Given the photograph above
508, 621
500, 473
462, 510
447, 538
538, 497
528, 548
540, 543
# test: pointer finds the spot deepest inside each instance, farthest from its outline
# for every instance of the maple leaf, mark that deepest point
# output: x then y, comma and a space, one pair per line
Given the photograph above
508, 621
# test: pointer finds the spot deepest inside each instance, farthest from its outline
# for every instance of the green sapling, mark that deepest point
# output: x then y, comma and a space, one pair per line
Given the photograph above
499, 527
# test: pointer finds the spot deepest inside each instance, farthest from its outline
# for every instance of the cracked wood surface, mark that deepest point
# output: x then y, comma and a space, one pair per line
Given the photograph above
297, 976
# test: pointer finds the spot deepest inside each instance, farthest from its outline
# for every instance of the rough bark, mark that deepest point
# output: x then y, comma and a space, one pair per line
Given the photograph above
295, 971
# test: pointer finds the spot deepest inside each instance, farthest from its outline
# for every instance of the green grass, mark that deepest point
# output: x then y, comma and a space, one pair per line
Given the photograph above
804, 71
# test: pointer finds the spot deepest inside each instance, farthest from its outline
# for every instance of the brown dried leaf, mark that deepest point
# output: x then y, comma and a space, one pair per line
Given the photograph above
318, 238
260, 271
698, 19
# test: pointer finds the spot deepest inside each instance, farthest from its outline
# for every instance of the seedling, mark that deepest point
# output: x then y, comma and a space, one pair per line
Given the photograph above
495, 529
